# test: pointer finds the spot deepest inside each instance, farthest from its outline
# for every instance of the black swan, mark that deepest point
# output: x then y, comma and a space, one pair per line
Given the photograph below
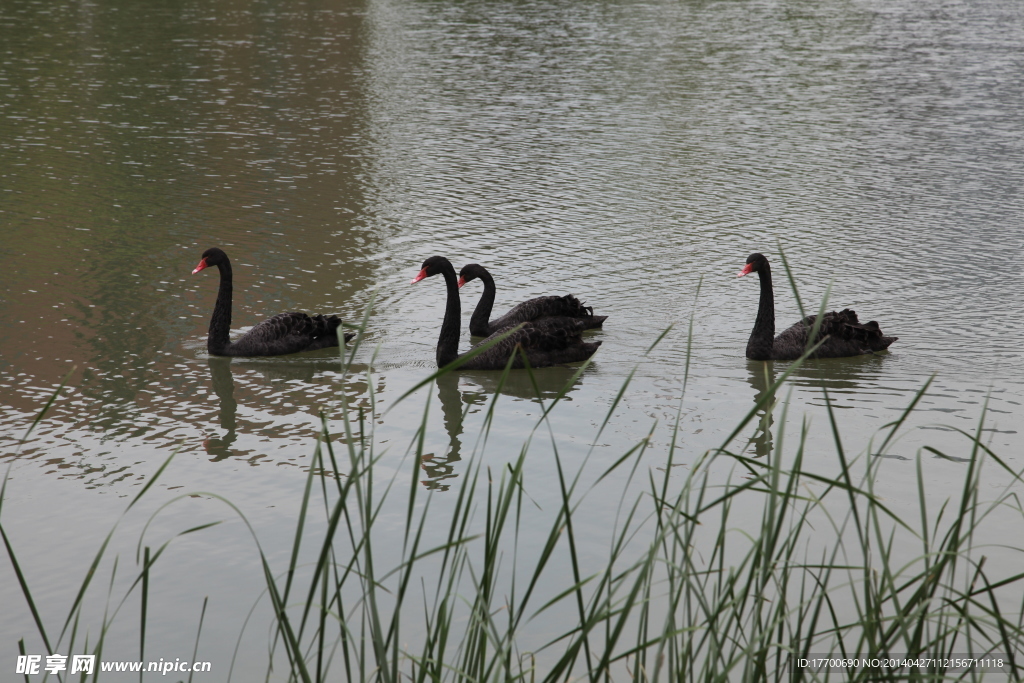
533, 309
281, 334
547, 342
842, 334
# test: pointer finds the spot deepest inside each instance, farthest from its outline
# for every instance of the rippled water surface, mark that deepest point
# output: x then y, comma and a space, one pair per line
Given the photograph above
631, 153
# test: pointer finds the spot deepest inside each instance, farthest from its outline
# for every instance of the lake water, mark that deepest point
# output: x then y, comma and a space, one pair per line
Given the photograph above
629, 153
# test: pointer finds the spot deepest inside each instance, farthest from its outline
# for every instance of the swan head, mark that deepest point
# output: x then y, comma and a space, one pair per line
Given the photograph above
471, 272
432, 266
211, 257
755, 262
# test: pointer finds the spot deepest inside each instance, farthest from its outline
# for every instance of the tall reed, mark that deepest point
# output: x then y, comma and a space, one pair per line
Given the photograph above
687, 591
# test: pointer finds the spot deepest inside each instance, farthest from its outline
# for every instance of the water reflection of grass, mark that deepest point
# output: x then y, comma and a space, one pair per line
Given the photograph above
689, 589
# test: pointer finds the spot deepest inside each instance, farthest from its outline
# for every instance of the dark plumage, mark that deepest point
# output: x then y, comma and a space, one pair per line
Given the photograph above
842, 334
276, 336
547, 342
533, 309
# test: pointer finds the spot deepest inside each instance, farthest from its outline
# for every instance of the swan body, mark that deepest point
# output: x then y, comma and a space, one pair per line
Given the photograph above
842, 334
539, 308
278, 335
552, 341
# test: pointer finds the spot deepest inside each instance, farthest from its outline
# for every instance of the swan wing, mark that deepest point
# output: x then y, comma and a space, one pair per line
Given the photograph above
841, 332
289, 333
543, 307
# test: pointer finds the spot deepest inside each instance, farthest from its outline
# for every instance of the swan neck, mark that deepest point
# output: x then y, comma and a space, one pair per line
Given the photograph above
759, 346
220, 322
480, 322
448, 341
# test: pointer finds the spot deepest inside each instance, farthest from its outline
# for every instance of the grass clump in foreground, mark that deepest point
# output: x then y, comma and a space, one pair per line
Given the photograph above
680, 596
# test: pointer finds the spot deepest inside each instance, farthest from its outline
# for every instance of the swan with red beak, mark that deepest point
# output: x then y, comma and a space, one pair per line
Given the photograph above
278, 335
836, 335
550, 342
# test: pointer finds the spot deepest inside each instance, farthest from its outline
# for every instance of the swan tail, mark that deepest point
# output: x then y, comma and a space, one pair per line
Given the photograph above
843, 334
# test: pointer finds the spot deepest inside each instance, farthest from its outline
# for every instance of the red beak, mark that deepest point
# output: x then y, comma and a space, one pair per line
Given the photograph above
462, 281
202, 264
746, 270
423, 274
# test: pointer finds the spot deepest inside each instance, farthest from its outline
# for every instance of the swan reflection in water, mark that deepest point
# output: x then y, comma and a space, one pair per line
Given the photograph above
847, 380
477, 388
459, 392
762, 377
438, 469
224, 387
271, 389
223, 381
